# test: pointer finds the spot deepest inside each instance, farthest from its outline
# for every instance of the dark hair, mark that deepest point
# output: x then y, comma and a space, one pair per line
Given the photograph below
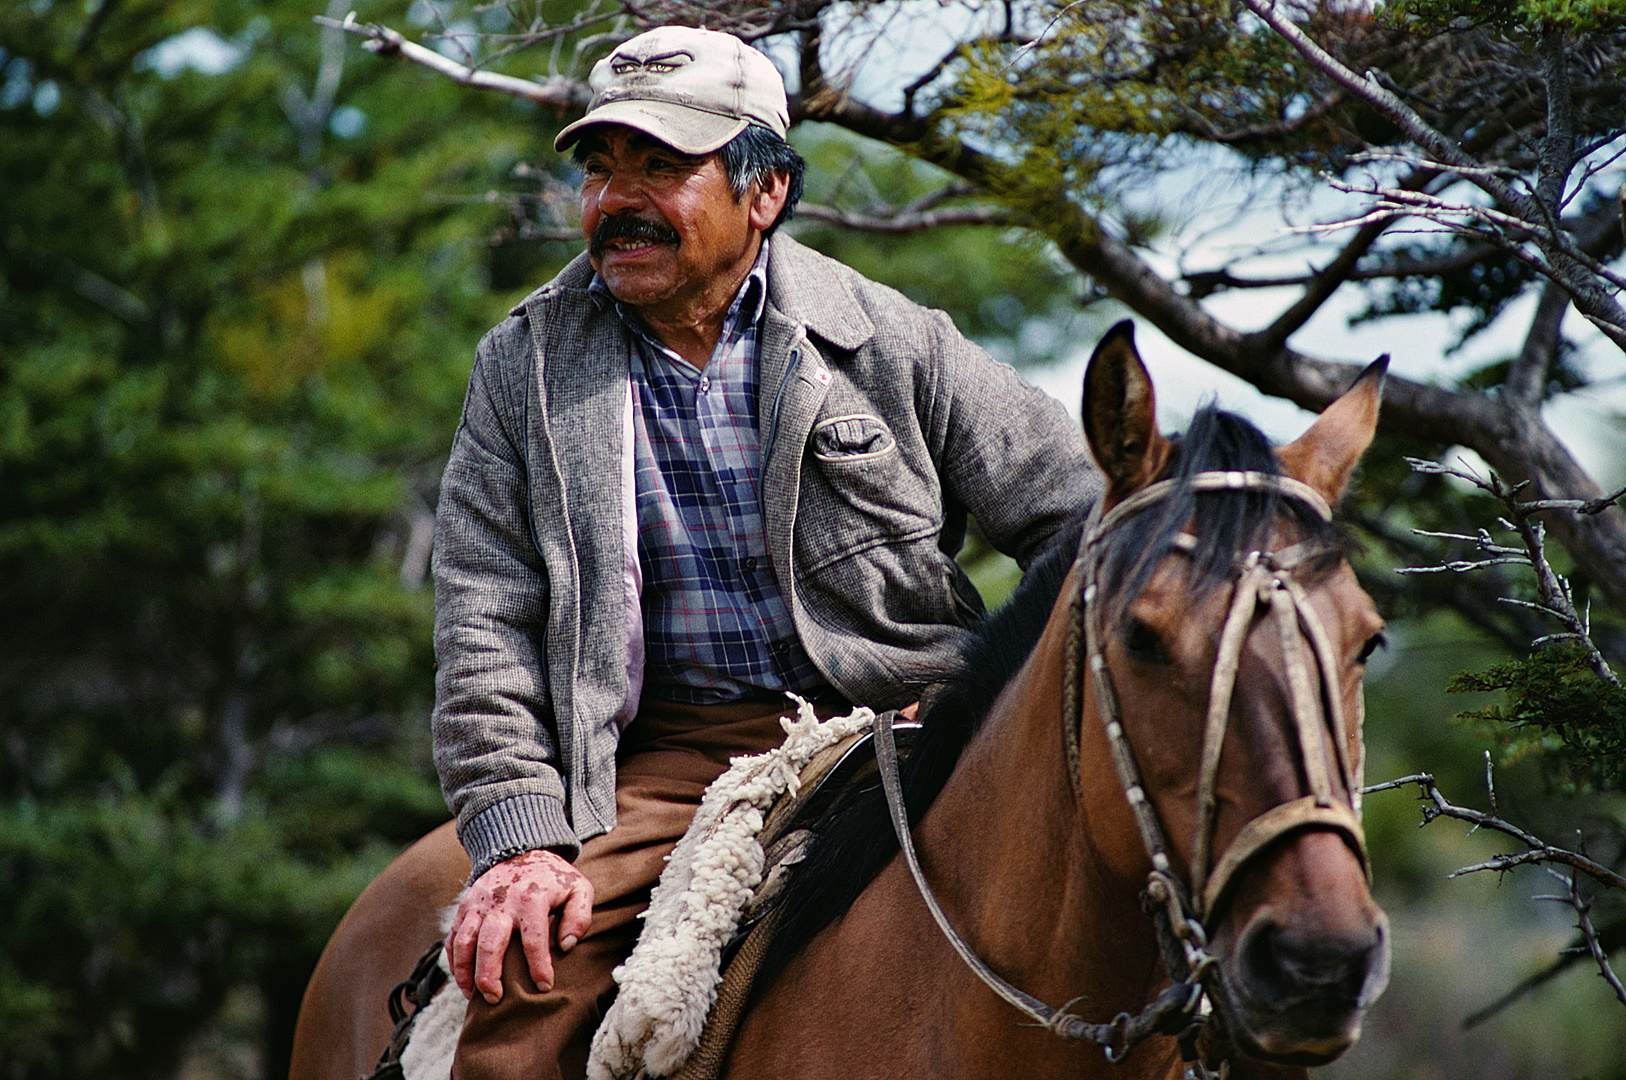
753, 156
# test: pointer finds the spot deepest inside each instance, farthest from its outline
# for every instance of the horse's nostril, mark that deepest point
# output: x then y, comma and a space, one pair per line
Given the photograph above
1286, 970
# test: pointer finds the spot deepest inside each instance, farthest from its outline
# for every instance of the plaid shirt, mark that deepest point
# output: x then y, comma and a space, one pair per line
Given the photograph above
716, 627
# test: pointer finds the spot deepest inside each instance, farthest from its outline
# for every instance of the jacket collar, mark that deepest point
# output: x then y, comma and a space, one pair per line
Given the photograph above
812, 290
577, 274
807, 288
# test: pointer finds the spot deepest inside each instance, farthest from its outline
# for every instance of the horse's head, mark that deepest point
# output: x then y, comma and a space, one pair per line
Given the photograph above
1233, 637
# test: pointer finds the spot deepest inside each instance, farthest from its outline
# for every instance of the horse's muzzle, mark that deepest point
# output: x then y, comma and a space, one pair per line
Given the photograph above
1298, 997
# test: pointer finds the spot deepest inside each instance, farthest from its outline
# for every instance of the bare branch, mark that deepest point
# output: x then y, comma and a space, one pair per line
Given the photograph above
1556, 600
1331, 277
1205, 282
1527, 380
1436, 806
557, 92
901, 221
1564, 264
1589, 933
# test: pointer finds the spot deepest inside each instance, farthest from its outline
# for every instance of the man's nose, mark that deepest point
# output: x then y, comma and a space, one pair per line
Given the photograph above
620, 193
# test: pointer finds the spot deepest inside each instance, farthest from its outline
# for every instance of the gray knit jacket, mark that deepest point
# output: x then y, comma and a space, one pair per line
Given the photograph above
881, 428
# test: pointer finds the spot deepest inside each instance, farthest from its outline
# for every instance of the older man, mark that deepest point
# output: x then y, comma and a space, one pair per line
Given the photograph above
701, 468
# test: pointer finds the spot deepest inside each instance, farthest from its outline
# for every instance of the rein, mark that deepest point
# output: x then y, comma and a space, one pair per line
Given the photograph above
1178, 911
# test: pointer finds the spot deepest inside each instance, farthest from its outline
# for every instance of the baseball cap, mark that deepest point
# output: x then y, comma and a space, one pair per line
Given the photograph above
694, 90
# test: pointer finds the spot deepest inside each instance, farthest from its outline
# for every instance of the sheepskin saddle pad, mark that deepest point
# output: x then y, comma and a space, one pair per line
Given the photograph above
717, 884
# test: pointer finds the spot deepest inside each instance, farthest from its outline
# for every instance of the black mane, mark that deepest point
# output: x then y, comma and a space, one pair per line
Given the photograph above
856, 841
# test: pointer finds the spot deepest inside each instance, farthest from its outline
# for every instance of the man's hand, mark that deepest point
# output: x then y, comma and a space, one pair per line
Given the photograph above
521, 894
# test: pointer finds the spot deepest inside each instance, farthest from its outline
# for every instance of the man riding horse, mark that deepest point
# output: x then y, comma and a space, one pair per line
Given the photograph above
702, 468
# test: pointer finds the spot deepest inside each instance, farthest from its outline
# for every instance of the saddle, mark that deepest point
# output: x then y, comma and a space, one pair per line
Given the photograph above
818, 764
845, 767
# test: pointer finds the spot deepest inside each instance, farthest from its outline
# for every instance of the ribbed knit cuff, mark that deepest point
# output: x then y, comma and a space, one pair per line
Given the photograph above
515, 826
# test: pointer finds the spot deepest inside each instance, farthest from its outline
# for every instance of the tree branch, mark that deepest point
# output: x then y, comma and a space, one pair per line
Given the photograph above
1205, 282
1563, 264
557, 92
1331, 277
901, 221
1473, 598
1527, 379
1558, 145
1556, 598
1436, 806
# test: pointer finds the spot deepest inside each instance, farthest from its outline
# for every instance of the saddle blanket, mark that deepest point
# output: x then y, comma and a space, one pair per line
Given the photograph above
669, 983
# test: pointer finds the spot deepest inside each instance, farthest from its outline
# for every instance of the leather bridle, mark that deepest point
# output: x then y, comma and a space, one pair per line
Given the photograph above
1180, 910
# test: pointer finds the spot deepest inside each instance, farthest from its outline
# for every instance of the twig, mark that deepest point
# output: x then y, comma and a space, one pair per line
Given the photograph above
1583, 923
556, 92
1436, 806
1039, 38
902, 221
1556, 599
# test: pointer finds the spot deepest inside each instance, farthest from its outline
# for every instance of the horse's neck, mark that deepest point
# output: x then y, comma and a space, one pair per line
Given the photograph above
1043, 887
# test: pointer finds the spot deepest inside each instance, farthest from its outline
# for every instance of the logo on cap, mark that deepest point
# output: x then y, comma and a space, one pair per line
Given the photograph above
623, 64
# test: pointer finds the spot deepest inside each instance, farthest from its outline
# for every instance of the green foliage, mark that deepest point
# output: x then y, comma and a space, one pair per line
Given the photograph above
1111, 90
1554, 705
1509, 15
127, 921
233, 346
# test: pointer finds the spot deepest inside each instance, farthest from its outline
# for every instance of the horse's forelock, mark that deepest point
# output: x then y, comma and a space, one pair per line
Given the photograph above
1226, 524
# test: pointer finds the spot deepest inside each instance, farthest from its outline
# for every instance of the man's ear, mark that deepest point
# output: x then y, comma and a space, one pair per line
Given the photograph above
768, 200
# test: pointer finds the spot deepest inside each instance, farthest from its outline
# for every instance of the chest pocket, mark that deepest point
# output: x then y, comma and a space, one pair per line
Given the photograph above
852, 438
862, 493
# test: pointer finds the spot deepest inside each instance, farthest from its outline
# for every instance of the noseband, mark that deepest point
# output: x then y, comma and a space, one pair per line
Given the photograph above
1179, 910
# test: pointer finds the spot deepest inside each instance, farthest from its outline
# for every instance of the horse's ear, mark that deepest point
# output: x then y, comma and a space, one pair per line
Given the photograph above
1120, 415
1326, 455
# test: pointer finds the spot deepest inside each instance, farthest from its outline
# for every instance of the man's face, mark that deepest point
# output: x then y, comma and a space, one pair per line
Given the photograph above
663, 229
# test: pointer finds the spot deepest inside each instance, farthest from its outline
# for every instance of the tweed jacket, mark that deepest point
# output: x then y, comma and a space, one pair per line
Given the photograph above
881, 428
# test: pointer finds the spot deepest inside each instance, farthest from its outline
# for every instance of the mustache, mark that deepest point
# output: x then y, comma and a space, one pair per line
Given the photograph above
629, 227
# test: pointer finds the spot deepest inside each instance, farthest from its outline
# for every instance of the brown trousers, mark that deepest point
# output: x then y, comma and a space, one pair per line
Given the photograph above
666, 759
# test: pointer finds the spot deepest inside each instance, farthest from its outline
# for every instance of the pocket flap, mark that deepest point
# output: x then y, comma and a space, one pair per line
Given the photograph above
846, 437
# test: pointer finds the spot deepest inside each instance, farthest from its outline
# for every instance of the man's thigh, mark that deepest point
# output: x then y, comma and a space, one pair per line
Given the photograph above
668, 758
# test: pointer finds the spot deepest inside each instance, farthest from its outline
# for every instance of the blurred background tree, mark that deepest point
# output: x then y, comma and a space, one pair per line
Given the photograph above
242, 269
236, 308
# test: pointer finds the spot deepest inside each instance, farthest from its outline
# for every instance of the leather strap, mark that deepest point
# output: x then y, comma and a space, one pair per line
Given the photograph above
1169, 1013
886, 759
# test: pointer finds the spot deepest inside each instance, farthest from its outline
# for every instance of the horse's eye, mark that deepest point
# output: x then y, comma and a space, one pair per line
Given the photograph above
1373, 644
1141, 643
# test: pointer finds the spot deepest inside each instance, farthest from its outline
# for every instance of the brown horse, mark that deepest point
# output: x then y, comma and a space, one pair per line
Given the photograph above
1190, 733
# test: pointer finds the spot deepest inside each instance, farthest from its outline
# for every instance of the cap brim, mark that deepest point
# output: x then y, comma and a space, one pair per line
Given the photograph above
691, 131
